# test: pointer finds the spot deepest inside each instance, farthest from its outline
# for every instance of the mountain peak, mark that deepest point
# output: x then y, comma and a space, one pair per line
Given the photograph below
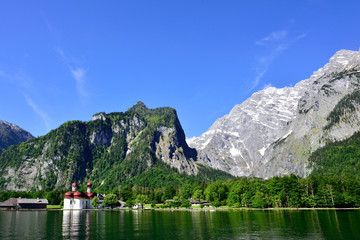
139, 107
343, 57
139, 104
276, 129
11, 134
342, 60
100, 116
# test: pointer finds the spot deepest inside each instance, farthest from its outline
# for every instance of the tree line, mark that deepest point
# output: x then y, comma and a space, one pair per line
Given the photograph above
277, 192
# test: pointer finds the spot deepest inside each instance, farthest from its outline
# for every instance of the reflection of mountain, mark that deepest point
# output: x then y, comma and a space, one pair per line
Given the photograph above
76, 224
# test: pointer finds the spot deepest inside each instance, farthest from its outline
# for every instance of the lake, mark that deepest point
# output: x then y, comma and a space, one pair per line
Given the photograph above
242, 224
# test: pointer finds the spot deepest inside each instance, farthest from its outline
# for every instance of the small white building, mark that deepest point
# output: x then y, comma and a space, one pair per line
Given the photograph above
78, 200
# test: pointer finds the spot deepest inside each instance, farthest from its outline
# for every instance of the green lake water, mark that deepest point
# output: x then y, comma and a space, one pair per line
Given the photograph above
251, 224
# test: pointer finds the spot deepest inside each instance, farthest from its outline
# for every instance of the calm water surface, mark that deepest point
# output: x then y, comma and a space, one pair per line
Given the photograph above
284, 224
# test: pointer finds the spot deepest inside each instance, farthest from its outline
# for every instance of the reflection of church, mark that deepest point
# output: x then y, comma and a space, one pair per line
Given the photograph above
76, 224
78, 200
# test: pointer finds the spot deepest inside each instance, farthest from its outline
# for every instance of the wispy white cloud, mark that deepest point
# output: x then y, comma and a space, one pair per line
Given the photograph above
275, 44
272, 38
44, 117
26, 85
79, 76
299, 37
78, 73
257, 79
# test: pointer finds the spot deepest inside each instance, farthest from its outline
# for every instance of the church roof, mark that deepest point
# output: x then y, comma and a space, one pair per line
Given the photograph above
79, 195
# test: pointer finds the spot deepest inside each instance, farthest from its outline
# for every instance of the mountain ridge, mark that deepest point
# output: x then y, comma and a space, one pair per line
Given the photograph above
262, 136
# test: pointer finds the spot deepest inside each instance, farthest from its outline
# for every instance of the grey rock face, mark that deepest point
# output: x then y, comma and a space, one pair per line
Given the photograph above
237, 142
11, 134
170, 146
275, 130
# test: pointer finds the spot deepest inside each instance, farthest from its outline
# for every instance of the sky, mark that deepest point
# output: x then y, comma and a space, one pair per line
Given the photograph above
67, 60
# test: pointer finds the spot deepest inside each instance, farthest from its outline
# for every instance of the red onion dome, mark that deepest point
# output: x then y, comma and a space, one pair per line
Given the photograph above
89, 184
78, 194
74, 184
69, 194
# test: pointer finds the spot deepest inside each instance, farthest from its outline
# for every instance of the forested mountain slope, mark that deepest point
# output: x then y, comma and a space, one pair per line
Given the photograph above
337, 158
140, 146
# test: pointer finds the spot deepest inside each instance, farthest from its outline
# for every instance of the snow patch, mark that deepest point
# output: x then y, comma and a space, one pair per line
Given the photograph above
262, 151
235, 152
286, 135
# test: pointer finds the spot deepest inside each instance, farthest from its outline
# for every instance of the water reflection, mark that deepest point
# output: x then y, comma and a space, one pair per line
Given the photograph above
311, 224
209, 224
76, 224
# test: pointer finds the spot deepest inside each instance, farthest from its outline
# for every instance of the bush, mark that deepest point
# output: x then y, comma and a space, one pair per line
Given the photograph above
215, 204
186, 204
95, 202
129, 203
111, 200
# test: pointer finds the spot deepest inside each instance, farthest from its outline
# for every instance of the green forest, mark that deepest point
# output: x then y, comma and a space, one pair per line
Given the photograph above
337, 158
278, 192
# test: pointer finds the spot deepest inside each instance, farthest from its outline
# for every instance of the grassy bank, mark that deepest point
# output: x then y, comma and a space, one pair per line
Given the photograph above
53, 207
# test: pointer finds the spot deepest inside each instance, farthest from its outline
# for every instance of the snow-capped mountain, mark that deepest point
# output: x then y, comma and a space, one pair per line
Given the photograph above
276, 130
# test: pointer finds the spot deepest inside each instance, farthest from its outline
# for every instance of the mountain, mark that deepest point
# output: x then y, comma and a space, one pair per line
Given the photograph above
275, 131
10, 134
140, 146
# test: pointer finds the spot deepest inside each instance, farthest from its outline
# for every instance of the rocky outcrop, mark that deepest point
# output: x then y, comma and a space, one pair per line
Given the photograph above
170, 146
275, 131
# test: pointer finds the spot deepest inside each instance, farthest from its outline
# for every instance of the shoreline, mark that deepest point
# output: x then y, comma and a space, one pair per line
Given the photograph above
190, 209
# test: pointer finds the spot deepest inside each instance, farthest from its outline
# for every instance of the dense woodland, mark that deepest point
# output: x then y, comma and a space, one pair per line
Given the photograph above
338, 158
278, 192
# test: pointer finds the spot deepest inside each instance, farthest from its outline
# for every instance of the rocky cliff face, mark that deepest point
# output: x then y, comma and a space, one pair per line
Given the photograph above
275, 131
10, 134
110, 149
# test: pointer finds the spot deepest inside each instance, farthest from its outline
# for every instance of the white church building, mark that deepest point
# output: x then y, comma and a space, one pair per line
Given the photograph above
78, 200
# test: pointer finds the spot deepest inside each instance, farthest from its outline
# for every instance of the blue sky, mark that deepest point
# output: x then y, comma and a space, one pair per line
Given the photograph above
67, 60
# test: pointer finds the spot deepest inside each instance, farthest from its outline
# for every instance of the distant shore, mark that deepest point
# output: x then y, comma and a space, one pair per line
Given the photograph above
184, 209
187, 209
